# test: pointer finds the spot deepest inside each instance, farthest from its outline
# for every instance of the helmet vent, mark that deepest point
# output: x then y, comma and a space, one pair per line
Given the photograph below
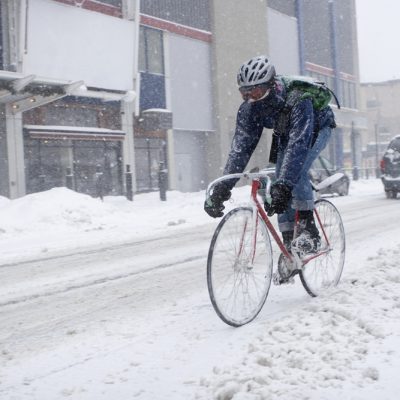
262, 75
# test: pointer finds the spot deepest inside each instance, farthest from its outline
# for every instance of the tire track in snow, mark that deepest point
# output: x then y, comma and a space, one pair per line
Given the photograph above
202, 230
99, 281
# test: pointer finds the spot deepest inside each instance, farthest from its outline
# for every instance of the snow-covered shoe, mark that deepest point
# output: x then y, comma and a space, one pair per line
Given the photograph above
306, 243
308, 239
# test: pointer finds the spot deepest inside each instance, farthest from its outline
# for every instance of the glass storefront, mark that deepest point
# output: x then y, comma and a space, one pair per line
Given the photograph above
47, 162
149, 152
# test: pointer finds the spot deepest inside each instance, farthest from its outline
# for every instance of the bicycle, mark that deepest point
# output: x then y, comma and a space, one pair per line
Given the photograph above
240, 258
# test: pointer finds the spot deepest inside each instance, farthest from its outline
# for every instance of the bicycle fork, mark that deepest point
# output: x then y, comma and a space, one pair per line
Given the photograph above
250, 260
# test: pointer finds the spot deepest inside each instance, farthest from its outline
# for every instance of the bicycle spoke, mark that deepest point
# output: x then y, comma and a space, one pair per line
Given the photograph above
325, 270
239, 268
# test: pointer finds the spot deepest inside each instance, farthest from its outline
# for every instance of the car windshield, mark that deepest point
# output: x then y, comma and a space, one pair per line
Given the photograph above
395, 144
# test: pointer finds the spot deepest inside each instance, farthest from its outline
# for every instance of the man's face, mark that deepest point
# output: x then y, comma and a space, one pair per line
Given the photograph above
254, 93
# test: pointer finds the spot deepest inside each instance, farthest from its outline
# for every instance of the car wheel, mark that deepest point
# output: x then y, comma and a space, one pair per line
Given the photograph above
391, 194
343, 189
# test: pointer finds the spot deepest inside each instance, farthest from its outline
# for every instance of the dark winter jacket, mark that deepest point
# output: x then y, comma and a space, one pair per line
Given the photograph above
295, 130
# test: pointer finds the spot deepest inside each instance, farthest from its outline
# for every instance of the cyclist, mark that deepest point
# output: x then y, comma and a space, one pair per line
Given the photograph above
299, 135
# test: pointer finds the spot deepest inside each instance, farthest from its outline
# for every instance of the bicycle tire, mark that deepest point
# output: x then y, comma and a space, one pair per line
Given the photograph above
238, 278
325, 271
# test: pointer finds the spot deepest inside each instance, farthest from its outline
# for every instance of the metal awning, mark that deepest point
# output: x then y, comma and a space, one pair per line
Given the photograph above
24, 92
73, 132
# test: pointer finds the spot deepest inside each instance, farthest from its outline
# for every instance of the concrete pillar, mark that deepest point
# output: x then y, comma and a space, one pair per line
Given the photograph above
15, 153
172, 178
128, 144
172, 181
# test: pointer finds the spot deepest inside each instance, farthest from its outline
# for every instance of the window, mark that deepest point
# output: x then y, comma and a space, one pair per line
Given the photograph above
287, 7
193, 13
151, 51
395, 144
151, 67
47, 162
116, 3
152, 91
149, 153
348, 94
353, 99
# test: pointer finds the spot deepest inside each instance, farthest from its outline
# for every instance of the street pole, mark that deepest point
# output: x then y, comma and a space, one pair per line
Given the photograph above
354, 152
335, 54
377, 172
300, 33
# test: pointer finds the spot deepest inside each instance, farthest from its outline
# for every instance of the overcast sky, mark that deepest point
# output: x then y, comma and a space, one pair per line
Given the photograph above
378, 23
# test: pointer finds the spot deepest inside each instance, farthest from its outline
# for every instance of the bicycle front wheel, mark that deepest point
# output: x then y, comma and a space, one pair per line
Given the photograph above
325, 270
239, 266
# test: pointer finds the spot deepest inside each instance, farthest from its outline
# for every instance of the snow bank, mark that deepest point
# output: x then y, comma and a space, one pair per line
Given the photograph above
327, 345
61, 219
64, 209
58, 209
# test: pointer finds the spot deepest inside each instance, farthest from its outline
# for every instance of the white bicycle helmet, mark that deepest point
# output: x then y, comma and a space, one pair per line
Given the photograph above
256, 71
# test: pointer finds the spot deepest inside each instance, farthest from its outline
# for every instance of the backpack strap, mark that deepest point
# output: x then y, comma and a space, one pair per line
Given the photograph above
334, 96
293, 97
283, 120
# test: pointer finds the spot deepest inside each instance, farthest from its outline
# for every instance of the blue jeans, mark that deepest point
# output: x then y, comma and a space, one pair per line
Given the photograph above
303, 197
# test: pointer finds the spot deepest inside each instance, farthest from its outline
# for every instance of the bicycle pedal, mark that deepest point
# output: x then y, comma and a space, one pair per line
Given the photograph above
278, 280
287, 281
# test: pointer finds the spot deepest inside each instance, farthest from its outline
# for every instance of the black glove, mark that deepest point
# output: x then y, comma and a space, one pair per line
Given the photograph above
281, 194
213, 206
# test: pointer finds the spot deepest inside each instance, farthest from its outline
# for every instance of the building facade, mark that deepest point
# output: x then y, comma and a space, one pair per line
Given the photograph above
330, 53
302, 37
380, 100
66, 95
175, 75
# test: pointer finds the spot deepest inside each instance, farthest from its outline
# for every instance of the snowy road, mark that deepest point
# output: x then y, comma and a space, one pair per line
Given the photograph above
133, 320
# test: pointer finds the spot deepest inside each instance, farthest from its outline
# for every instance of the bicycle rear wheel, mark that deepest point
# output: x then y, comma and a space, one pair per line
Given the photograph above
325, 270
239, 266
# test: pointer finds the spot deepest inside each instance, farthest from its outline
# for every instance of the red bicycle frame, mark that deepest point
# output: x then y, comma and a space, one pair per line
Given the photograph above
260, 209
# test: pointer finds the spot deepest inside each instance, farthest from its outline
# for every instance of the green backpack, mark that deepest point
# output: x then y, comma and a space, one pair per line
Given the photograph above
303, 87
299, 88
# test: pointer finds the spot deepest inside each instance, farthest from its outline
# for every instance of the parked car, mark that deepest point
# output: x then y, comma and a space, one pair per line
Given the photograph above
390, 168
322, 169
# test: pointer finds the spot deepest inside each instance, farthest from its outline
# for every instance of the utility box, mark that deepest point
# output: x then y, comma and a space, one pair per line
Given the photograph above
156, 119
